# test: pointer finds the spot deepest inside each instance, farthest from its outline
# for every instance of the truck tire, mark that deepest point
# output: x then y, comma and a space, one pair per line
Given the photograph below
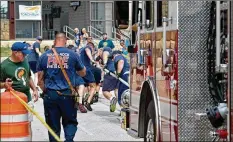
149, 129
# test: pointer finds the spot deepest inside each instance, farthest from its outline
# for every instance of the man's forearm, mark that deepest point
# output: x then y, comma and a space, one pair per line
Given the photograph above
105, 57
41, 80
38, 51
119, 69
89, 55
120, 66
32, 84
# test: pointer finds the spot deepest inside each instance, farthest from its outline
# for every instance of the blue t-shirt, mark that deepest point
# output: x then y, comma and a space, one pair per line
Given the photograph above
53, 76
106, 43
110, 63
126, 64
84, 58
77, 36
34, 56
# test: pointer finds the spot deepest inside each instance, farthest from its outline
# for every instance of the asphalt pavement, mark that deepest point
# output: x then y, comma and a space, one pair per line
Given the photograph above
98, 125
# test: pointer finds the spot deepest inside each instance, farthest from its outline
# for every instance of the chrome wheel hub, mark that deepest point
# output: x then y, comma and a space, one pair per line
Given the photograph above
150, 131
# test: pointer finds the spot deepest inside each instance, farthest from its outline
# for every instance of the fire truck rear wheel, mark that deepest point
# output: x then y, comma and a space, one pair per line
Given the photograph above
149, 129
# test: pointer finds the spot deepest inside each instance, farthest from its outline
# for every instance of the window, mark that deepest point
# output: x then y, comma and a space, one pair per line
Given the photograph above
101, 19
162, 11
97, 11
27, 29
149, 14
121, 14
4, 10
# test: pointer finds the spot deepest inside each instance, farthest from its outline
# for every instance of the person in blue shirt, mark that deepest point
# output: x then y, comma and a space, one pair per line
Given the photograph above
97, 75
77, 36
96, 72
58, 101
33, 57
122, 71
79, 86
106, 42
109, 83
88, 61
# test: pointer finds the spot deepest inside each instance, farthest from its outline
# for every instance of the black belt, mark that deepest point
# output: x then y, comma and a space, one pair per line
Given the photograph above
59, 91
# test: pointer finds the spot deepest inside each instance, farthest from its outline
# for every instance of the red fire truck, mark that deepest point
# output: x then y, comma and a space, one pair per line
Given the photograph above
179, 71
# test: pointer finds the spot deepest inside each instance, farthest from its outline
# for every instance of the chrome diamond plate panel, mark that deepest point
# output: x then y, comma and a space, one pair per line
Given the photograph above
194, 95
231, 69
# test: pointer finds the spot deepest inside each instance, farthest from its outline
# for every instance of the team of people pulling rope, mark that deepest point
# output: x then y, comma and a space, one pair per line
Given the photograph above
64, 75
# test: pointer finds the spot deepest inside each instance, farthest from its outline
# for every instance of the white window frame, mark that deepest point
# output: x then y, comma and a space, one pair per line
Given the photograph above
41, 21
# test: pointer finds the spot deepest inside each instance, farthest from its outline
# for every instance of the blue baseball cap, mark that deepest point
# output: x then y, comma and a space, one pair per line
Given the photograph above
39, 38
20, 46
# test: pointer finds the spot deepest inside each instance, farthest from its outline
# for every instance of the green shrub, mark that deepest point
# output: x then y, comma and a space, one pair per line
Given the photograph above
5, 51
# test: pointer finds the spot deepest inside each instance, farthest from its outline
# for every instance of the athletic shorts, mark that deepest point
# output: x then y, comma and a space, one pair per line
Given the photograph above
32, 65
97, 74
79, 80
89, 77
110, 83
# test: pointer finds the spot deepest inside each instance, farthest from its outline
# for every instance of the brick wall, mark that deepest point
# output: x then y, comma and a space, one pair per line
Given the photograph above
79, 18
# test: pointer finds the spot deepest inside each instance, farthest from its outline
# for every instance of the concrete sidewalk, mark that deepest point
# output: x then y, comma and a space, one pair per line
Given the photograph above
98, 125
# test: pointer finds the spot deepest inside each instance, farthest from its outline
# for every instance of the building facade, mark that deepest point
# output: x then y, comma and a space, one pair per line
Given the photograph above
46, 18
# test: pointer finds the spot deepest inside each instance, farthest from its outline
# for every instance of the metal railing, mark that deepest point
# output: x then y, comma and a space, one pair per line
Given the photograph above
121, 34
69, 32
97, 33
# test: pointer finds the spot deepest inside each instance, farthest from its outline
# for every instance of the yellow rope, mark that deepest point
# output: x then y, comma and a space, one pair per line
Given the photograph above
37, 115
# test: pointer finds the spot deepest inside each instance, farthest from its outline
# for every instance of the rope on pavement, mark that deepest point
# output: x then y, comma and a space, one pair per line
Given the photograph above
37, 115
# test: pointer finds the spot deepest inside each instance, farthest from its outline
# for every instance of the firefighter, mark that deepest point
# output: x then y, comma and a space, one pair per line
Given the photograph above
122, 71
96, 72
88, 61
33, 57
97, 75
79, 85
109, 83
58, 101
